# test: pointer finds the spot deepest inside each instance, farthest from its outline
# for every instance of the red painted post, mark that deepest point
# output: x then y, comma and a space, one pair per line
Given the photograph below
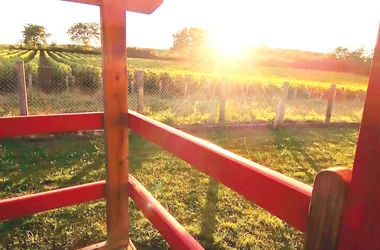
361, 221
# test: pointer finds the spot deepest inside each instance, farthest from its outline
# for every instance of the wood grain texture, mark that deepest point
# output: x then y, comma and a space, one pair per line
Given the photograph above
361, 222
113, 26
326, 209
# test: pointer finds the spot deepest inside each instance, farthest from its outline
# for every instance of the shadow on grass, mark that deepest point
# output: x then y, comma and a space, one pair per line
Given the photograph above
209, 214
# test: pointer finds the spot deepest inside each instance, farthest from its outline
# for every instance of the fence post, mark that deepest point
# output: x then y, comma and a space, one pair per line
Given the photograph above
295, 93
330, 102
30, 80
23, 98
280, 112
223, 99
139, 76
67, 82
160, 87
246, 89
326, 208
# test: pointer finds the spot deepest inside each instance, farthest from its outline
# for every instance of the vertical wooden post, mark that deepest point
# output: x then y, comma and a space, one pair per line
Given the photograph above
223, 100
309, 95
132, 86
295, 93
246, 90
284, 98
326, 208
160, 87
139, 77
321, 95
67, 82
361, 220
23, 98
30, 80
330, 102
114, 52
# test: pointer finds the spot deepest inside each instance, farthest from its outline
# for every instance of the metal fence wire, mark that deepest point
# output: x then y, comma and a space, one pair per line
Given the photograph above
169, 98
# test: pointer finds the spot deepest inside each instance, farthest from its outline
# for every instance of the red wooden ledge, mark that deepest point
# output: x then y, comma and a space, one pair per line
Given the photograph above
176, 236
281, 195
45, 124
34, 203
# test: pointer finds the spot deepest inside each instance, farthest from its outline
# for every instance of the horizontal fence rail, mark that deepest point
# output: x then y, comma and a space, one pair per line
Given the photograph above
35, 203
45, 124
282, 196
176, 236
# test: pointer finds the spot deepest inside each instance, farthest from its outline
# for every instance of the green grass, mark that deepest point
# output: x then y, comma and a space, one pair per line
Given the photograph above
215, 215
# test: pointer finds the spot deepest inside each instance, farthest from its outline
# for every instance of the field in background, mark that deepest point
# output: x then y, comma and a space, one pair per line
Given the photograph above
214, 214
178, 92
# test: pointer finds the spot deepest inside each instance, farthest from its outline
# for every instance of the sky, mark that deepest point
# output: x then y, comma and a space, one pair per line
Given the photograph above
310, 25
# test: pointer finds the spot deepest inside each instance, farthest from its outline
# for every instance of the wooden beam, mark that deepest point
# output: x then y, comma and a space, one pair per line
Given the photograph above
116, 135
175, 235
280, 195
103, 246
138, 6
35, 203
326, 208
48, 124
361, 222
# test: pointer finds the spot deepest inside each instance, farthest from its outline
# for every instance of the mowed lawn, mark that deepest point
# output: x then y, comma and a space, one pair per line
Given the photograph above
216, 216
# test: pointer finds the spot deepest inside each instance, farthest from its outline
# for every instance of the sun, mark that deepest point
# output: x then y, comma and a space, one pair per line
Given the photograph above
227, 43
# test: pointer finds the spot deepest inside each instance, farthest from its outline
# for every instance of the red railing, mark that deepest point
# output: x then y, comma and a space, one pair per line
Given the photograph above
283, 196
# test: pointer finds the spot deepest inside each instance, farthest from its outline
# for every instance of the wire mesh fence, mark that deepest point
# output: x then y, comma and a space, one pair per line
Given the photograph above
173, 100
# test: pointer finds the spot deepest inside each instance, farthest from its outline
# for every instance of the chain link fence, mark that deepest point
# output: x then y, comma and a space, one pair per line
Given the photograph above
174, 100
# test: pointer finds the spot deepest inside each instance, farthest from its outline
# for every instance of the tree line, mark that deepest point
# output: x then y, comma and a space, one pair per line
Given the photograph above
85, 34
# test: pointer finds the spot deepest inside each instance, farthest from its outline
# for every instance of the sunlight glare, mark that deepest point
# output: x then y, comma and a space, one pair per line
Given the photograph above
227, 42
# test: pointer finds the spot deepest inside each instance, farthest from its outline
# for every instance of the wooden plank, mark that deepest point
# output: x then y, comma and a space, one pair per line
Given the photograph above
175, 235
48, 124
281, 195
113, 25
35, 203
326, 208
139, 6
361, 222
330, 102
103, 246
223, 100
21, 83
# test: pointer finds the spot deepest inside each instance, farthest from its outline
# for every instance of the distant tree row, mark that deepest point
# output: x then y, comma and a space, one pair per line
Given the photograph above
360, 54
86, 34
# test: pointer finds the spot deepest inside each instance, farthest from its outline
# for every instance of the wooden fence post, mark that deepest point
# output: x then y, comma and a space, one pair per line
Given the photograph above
280, 112
139, 76
246, 90
30, 80
23, 98
67, 82
223, 99
295, 93
330, 102
160, 87
326, 208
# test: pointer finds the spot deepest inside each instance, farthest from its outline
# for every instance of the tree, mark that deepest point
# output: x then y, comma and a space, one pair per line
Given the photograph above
84, 33
190, 39
340, 52
35, 35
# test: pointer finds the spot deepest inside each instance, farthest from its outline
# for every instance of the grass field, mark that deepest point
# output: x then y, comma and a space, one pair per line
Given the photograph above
216, 216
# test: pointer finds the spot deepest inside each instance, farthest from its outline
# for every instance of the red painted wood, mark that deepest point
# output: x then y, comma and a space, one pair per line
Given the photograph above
30, 204
138, 6
361, 222
45, 124
283, 196
176, 236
